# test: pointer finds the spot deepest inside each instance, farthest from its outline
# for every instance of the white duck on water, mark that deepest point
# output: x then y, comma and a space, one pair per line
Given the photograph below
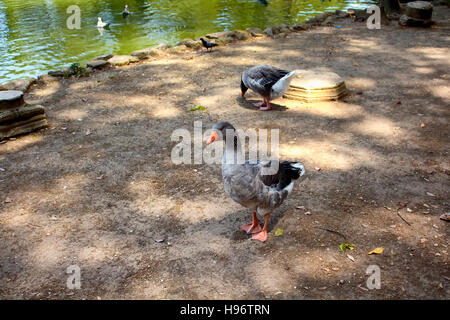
247, 185
101, 24
269, 82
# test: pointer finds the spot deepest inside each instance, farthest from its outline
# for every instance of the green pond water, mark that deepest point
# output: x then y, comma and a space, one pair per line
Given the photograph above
34, 37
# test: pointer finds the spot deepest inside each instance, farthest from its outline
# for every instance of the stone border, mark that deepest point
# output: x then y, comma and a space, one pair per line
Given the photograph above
186, 45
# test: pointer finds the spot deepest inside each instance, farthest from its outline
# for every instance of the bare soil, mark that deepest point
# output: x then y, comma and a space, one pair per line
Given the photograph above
101, 191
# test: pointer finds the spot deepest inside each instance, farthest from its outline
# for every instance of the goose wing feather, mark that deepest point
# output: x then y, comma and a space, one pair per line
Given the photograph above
249, 187
261, 78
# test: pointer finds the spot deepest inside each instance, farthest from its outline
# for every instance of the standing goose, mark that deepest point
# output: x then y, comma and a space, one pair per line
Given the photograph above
101, 24
126, 11
269, 82
246, 184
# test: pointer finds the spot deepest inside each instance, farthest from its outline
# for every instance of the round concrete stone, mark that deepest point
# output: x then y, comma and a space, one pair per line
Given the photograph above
314, 85
419, 10
316, 79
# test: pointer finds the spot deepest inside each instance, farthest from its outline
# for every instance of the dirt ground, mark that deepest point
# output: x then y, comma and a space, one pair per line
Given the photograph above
98, 189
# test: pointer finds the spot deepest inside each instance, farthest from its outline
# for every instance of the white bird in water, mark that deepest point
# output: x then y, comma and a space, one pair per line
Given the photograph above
101, 24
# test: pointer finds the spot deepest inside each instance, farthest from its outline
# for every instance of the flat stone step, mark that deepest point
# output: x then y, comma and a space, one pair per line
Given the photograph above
19, 114
10, 99
25, 126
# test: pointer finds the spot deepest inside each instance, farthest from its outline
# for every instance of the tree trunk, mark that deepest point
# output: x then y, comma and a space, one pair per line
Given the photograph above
390, 9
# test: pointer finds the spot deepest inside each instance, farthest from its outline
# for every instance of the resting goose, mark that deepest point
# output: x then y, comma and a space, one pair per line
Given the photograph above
246, 184
101, 24
269, 82
126, 11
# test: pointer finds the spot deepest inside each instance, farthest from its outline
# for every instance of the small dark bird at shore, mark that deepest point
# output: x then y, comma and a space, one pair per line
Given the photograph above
207, 44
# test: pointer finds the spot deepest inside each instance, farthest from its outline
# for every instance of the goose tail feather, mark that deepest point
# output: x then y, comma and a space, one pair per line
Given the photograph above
289, 172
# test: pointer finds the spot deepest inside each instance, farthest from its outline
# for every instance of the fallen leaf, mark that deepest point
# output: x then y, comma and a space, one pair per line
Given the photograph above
204, 89
356, 64
430, 194
2, 169
8, 200
403, 204
399, 102
408, 209
350, 257
301, 208
344, 246
88, 132
422, 125
159, 240
196, 108
307, 213
317, 168
279, 232
100, 177
377, 251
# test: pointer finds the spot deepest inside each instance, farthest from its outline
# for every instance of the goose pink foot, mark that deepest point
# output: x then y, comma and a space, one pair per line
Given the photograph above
251, 228
260, 236
259, 104
265, 108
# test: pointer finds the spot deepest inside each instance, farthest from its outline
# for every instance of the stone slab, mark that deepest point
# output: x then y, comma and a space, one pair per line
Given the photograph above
121, 60
10, 99
34, 123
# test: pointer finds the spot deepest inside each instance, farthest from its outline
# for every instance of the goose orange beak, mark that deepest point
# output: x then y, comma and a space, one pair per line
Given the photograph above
214, 136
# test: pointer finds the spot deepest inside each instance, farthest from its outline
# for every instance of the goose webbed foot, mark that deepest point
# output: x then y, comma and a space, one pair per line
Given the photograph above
262, 235
267, 107
259, 104
252, 227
